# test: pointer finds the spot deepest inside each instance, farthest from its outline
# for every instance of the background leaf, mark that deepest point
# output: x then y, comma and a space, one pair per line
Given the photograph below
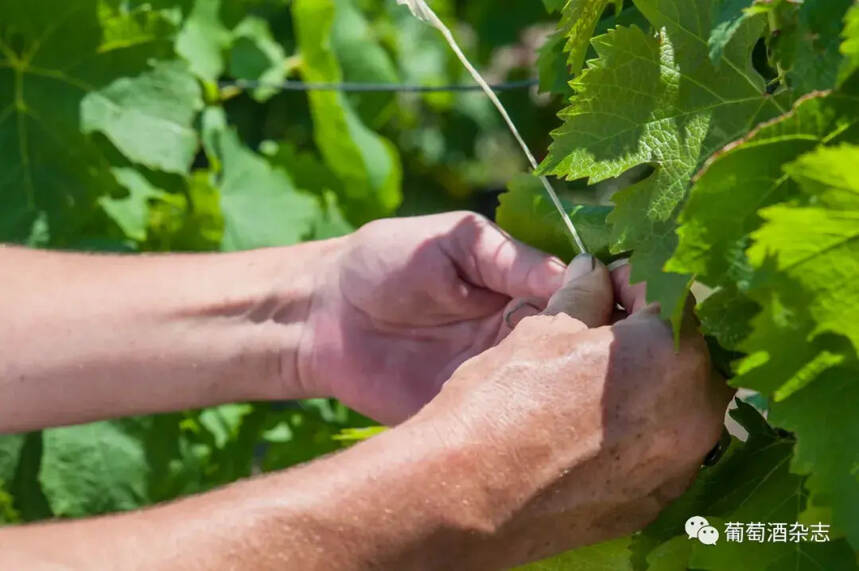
93, 469
367, 164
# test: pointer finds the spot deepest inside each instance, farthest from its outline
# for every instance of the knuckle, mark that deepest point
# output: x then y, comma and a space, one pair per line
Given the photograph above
374, 228
561, 321
475, 218
600, 339
531, 324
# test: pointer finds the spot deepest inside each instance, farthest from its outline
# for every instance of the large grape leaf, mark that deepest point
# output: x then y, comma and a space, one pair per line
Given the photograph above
367, 164
52, 55
123, 464
308, 172
659, 100
722, 209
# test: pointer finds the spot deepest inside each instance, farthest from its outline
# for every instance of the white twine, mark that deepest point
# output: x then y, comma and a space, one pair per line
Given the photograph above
424, 13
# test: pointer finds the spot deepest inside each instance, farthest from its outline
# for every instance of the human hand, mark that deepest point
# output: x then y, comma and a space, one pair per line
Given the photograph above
407, 301
586, 430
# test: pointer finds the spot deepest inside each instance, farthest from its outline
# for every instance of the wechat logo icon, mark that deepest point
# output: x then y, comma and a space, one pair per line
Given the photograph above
699, 528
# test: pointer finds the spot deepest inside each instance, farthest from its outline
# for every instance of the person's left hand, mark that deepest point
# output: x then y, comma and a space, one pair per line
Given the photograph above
408, 300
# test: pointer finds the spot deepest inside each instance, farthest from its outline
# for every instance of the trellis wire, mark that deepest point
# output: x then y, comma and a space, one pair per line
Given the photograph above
355, 87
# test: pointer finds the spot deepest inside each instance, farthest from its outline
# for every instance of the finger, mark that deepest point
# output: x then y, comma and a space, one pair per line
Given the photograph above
587, 294
633, 297
489, 258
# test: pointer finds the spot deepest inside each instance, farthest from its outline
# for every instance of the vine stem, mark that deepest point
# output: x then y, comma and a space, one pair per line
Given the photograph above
423, 12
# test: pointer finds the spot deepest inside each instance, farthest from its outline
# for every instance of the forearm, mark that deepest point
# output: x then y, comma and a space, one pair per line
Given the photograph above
403, 500
89, 336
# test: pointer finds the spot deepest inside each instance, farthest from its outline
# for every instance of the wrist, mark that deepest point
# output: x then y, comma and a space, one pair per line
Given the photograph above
271, 292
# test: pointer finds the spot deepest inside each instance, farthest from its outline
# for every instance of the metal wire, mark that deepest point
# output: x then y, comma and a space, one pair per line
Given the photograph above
372, 87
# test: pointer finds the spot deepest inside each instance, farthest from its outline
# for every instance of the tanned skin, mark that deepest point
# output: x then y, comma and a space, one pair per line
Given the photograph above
529, 415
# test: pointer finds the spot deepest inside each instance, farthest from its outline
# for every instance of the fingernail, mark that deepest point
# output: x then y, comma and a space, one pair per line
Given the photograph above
582, 265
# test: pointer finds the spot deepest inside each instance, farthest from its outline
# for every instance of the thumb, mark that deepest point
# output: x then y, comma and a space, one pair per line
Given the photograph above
587, 293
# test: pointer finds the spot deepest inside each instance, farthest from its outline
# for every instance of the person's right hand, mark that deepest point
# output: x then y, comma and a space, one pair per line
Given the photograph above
587, 429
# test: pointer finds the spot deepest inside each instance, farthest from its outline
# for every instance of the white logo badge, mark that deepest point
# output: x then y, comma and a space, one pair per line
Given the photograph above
699, 528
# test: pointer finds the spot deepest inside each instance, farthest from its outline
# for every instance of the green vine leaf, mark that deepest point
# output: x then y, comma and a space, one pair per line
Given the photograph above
659, 101
722, 209
149, 118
